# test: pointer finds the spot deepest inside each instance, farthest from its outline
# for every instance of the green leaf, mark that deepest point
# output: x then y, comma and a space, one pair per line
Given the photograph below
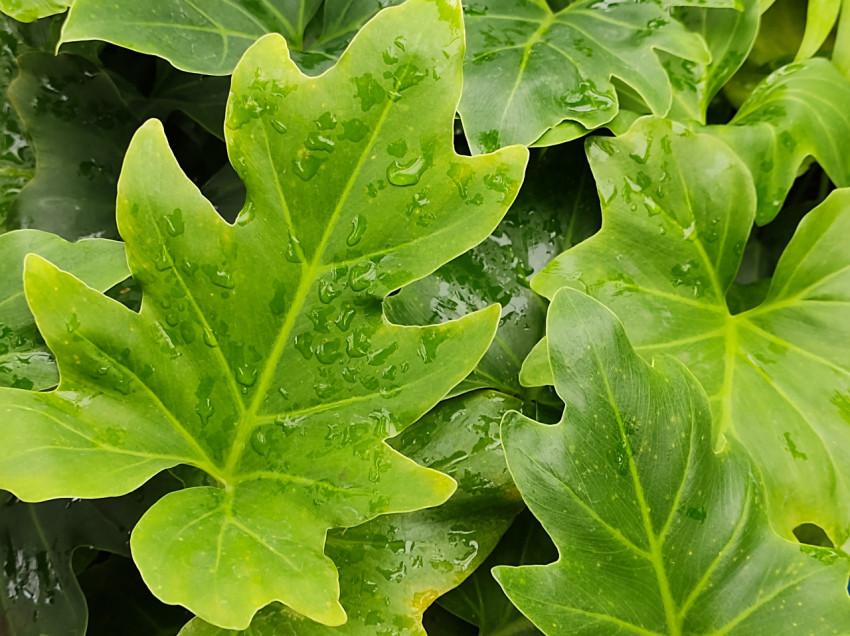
729, 35
394, 567
677, 210
25, 361
797, 112
39, 592
479, 599
656, 533
200, 38
261, 354
821, 17
17, 163
528, 68
80, 128
31, 10
537, 228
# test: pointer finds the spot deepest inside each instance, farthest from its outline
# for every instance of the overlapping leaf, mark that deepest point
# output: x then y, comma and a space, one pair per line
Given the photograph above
39, 593
656, 533
536, 228
31, 10
528, 68
797, 112
25, 361
200, 38
677, 211
261, 355
394, 567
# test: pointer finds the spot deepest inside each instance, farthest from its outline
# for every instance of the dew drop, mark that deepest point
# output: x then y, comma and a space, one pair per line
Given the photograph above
246, 376
358, 227
406, 174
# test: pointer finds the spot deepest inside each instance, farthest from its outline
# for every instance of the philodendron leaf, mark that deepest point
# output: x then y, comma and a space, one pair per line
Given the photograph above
536, 229
677, 210
39, 592
200, 38
656, 533
261, 355
31, 10
393, 567
528, 68
479, 599
797, 112
80, 128
25, 361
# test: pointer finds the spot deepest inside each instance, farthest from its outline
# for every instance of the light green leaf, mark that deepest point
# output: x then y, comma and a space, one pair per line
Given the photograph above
797, 112
677, 211
821, 16
207, 37
528, 68
31, 10
261, 354
656, 533
729, 35
479, 599
25, 361
537, 228
394, 567
80, 128
39, 592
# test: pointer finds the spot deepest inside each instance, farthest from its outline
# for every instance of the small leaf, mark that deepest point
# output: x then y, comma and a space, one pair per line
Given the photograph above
797, 112
677, 211
656, 533
25, 361
394, 567
528, 68
261, 355
820, 19
200, 38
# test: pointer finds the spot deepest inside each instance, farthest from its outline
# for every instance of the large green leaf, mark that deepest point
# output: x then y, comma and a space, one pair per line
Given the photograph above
200, 38
25, 361
80, 128
797, 112
656, 533
529, 68
31, 10
677, 211
479, 599
39, 592
261, 355
536, 229
394, 567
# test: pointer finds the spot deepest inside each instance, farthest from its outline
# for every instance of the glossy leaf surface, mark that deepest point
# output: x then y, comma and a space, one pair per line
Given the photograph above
528, 68
39, 592
261, 355
677, 210
540, 224
80, 128
209, 37
797, 112
394, 567
656, 533
25, 361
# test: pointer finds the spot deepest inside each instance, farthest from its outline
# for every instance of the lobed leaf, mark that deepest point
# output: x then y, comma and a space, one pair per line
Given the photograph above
529, 69
261, 355
677, 211
393, 567
656, 534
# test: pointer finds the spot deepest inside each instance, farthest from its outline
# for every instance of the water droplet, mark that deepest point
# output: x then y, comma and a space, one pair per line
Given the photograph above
174, 223
246, 376
328, 351
317, 141
307, 164
163, 261
354, 130
362, 275
303, 343
327, 292
358, 227
326, 121
278, 126
406, 174
209, 337
398, 148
